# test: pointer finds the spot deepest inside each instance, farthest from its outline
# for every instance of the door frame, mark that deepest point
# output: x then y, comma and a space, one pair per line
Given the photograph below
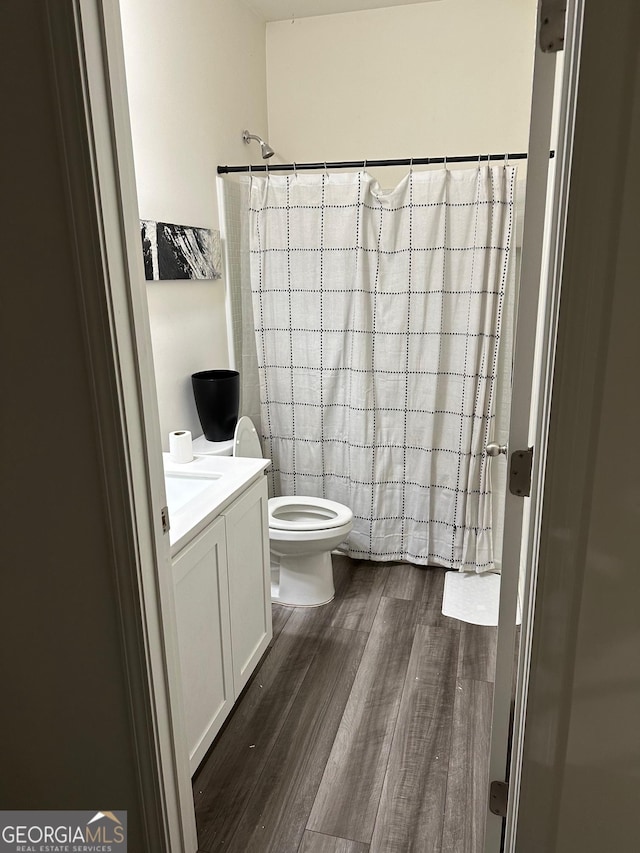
534, 349
541, 416
110, 182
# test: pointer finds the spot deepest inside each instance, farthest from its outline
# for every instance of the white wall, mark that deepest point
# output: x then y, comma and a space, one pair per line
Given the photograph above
196, 79
443, 78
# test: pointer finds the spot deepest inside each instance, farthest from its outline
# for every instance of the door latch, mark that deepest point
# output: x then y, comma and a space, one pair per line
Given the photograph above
164, 514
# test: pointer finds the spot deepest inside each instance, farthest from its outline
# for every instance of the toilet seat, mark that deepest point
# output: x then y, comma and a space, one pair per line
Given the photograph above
306, 541
299, 513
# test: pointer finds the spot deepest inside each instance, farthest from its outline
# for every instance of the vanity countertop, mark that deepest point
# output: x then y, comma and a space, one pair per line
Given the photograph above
200, 490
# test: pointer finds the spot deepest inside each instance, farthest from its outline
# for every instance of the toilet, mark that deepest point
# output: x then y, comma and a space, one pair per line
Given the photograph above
303, 531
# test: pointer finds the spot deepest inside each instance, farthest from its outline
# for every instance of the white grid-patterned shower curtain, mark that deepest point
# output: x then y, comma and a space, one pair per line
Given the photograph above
377, 318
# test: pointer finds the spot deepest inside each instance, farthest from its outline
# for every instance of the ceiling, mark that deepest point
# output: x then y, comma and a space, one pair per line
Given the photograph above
284, 10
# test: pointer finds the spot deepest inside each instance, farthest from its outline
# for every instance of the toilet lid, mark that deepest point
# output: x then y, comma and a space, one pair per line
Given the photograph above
245, 439
296, 512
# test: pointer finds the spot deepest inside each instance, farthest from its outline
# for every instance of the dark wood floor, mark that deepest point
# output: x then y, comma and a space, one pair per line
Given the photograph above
366, 727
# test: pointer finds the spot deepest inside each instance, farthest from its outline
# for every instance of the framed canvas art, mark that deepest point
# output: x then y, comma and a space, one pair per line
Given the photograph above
173, 252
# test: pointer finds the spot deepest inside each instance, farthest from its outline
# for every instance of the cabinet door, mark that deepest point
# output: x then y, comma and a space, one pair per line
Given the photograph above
249, 580
204, 640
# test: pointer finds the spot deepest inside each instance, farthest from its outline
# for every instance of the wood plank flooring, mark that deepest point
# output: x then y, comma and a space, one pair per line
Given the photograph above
414, 792
361, 750
365, 728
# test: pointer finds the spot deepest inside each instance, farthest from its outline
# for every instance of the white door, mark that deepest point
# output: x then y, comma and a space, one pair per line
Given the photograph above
533, 361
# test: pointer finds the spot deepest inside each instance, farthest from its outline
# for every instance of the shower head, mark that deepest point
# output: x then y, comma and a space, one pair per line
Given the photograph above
265, 148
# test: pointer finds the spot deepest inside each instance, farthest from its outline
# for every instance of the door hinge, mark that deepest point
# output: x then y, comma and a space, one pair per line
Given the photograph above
553, 15
498, 797
520, 472
164, 514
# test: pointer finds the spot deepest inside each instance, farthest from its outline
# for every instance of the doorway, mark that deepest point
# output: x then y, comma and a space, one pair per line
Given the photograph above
169, 308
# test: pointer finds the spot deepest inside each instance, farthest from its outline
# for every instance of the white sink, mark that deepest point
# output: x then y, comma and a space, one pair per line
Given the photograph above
198, 491
182, 488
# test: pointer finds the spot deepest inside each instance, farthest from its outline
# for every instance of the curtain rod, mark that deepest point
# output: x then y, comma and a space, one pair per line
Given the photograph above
362, 164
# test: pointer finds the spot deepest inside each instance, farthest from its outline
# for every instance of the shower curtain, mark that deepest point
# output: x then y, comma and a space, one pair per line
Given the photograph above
377, 318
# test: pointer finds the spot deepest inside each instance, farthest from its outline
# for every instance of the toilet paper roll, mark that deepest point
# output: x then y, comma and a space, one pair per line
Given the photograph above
180, 446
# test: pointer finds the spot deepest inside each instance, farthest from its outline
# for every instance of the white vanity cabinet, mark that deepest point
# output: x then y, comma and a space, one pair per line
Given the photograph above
223, 613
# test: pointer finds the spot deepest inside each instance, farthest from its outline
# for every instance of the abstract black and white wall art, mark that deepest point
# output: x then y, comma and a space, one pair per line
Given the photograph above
173, 252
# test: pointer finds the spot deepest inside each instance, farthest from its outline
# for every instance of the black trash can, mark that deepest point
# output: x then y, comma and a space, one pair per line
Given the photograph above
217, 396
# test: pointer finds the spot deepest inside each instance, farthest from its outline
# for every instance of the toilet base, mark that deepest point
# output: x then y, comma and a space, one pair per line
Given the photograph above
304, 580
